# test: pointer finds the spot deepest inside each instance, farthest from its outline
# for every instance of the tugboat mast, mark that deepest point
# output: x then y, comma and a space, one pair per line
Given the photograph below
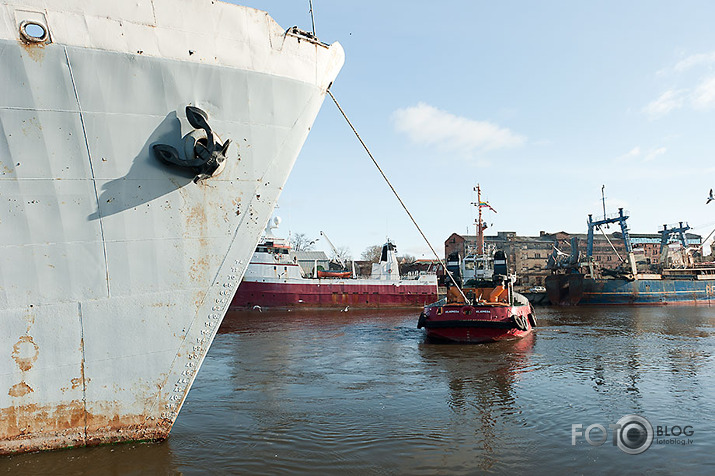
480, 228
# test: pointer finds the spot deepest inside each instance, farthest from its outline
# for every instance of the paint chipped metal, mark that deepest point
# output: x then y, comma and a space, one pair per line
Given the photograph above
116, 271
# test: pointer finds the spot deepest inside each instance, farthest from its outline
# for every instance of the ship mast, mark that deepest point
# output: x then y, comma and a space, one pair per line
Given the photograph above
603, 199
480, 232
478, 222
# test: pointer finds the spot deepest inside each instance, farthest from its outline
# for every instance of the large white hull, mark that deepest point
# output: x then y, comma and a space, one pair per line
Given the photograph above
115, 269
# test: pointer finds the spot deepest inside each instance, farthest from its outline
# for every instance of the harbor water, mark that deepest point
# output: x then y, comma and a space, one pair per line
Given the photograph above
363, 392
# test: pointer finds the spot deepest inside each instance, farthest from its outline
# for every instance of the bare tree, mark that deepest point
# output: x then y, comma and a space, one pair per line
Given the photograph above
372, 253
342, 253
301, 242
406, 259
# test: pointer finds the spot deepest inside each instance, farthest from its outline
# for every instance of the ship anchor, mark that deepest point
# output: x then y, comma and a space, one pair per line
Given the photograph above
204, 153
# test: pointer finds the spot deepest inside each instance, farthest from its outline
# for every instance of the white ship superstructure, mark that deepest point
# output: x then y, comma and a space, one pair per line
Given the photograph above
116, 267
275, 279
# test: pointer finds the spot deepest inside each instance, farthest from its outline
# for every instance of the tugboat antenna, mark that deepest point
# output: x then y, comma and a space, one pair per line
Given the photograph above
480, 229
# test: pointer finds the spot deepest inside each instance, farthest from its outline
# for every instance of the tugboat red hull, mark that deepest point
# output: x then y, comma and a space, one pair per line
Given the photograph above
477, 324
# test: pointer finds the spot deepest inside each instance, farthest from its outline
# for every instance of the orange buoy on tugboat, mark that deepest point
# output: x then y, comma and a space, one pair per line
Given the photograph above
486, 308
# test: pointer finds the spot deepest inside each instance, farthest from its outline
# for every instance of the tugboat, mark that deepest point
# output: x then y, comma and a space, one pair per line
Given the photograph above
486, 308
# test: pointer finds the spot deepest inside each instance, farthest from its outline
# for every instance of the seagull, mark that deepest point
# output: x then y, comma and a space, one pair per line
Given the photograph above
711, 197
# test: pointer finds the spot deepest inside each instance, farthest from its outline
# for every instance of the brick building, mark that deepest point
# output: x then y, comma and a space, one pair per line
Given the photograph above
526, 255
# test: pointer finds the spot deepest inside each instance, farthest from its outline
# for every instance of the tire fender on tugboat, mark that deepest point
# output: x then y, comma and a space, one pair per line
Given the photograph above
521, 322
532, 319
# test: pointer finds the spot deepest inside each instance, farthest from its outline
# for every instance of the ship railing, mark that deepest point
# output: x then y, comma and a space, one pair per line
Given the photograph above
672, 226
609, 216
308, 36
415, 275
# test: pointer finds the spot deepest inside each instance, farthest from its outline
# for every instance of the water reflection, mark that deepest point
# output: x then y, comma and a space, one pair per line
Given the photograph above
119, 459
363, 393
481, 380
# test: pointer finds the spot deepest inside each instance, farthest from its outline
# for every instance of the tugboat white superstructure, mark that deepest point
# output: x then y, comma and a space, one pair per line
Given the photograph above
143, 146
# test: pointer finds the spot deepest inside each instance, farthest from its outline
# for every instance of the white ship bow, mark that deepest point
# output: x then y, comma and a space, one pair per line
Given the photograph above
116, 269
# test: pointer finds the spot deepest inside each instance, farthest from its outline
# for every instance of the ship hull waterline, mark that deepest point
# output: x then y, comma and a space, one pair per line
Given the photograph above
116, 269
477, 324
333, 293
575, 289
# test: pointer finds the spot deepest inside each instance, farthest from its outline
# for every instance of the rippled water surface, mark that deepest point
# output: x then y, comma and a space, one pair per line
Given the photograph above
364, 393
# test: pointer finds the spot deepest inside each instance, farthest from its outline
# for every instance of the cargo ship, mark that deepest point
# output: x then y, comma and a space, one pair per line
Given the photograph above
275, 280
143, 146
681, 281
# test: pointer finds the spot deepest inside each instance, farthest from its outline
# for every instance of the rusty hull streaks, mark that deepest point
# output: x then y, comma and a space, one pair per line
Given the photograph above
33, 427
35, 50
199, 269
20, 390
111, 429
25, 352
196, 218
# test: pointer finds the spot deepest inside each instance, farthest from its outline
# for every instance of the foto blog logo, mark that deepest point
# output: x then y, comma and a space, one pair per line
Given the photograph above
632, 434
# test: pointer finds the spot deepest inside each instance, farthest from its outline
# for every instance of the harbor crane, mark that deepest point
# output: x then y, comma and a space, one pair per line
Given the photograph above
335, 250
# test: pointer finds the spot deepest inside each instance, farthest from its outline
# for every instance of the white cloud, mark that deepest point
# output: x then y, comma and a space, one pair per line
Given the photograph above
696, 95
637, 155
631, 154
652, 154
694, 60
668, 101
704, 95
427, 125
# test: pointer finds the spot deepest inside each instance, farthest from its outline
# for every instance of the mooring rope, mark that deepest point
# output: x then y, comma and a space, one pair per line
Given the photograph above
398, 197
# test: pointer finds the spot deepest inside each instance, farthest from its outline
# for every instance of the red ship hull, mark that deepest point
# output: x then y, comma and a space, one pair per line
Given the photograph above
338, 294
477, 324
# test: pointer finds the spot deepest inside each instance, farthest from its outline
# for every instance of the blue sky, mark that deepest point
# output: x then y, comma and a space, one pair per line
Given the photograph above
541, 103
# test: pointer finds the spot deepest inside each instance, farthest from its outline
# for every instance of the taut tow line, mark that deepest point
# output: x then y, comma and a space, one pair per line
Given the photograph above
444, 266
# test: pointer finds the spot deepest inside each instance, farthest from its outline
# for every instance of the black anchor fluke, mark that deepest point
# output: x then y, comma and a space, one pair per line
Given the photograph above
207, 155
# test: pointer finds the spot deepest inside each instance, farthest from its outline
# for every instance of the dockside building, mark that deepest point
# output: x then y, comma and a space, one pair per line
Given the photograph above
527, 255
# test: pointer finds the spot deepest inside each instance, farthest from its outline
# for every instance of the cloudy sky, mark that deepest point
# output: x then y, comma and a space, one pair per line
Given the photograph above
541, 103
